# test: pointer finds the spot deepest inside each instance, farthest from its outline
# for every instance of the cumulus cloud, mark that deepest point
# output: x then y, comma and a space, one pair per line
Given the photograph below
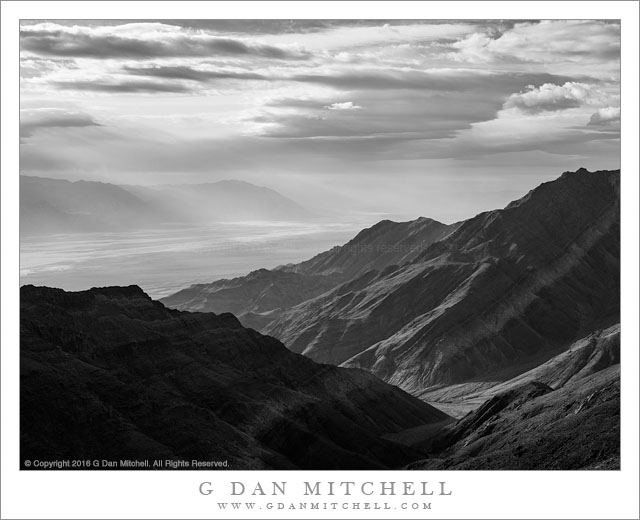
347, 105
141, 41
607, 116
546, 41
551, 97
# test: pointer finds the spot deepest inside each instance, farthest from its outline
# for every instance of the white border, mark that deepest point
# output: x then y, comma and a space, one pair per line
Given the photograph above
478, 494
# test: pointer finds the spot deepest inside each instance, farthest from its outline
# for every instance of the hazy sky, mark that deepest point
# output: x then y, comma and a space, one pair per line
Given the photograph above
440, 119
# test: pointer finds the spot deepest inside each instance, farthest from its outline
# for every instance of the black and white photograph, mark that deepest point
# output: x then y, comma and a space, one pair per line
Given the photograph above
283, 244
319, 244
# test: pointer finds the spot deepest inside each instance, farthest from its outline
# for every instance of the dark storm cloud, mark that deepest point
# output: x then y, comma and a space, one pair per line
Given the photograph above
54, 40
123, 87
189, 73
33, 120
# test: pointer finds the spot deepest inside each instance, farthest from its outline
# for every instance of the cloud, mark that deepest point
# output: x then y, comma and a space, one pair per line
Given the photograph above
35, 67
451, 92
550, 97
373, 79
513, 131
546, 41
35, 119
434, 79
141, 41
347, 105
189, 73
389, 116
394, 114
607, 116
123, 87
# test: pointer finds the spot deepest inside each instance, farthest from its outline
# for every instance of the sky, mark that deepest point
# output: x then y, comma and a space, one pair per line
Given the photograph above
405, 118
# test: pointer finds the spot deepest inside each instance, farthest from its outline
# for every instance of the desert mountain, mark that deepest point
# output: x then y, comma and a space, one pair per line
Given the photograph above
59, 206
260, 297
504, 292
111, 374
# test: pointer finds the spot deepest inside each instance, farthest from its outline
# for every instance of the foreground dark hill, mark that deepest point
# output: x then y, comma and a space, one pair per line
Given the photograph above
50, 206
110, 374
504, 292
260, 297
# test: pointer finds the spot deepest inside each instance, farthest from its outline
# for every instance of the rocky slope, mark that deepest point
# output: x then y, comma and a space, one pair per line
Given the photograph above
256, 299
595, 352
260, 297
504, 292
110, 374
384, 244
534, 427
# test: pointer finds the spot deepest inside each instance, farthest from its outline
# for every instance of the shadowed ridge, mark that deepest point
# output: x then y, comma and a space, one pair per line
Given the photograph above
110, 374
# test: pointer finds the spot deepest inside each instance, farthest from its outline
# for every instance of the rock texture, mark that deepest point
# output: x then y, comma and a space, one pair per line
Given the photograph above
256, 299
503, 293
110, 374
259, 298
597, 351
533, 427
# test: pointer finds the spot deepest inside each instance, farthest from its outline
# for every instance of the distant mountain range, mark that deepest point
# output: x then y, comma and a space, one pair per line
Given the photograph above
58, 206
482, 300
